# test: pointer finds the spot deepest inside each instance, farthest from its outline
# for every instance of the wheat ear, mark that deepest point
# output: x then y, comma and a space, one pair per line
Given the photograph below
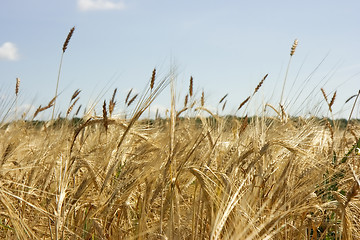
191, 87
223, 107
244, 124
325, 96
78, 110
202, 98
223, 98
66, 43
186, 100
332, 101
17, 86
243, 103
152, 83
71, 107
105, 118
260, 84
132, 100
75, 94
293, 47
40, 109
112, 103
128, 96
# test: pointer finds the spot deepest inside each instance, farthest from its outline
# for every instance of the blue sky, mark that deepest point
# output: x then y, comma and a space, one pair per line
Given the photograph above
227, 46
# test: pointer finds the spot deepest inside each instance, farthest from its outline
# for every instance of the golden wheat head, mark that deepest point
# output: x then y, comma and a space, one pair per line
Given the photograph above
128, 96
191, 86
132, 99
186, 100
293, 47
202, 98
66, 43
223, 98
105, 118
152, 82
243, 103
17, 86
260, 84
112, 102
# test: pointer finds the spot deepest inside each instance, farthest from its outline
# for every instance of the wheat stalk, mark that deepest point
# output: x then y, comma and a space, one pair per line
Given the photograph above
273, 108
283, 113
356, 186
330, 129
347, 124
152, 83
17, 86
347, 100
66, 43
243, 125
293, 48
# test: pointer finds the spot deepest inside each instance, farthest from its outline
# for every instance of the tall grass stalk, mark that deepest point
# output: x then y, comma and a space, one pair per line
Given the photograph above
152, 84
65, 45
293, 48
350, 115
17, 87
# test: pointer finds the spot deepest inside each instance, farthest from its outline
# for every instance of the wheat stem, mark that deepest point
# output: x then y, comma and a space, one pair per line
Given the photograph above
57, 86
17, 86
65, 45
293, 48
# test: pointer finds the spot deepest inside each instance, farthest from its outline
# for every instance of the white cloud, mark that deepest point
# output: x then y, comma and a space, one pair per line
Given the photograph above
89, 5
8, 51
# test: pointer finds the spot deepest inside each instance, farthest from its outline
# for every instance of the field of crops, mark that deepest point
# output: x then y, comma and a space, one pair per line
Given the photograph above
191, 175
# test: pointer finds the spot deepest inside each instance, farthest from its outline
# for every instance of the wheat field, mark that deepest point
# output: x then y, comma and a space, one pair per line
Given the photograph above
186, 176
192, 179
